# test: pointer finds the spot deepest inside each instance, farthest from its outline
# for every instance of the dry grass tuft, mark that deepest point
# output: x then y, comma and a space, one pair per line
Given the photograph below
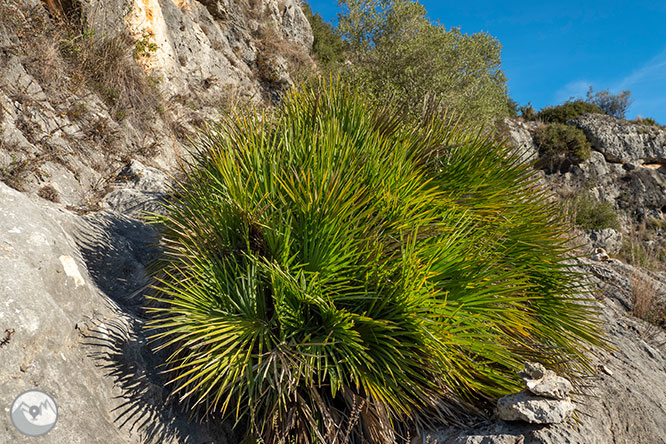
646, 303
643, 295
109, 68
65, 55
14, 174
49, 193
639, 249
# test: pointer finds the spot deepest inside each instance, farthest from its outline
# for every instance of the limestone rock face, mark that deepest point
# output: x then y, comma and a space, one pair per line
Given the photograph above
138, 190
208, 50
520, 133
71, 291
607, 238
534, 409
63, 131
626, 169
621, 141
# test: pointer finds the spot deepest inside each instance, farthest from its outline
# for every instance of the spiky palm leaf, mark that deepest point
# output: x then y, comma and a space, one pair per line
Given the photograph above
334, 273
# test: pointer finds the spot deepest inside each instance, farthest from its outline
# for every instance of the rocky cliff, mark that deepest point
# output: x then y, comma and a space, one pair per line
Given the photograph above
86, 85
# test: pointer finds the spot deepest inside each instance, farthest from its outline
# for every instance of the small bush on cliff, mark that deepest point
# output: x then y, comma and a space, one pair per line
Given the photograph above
334, 273
612, 104
567, 111
527, 112
646, 121
592, 214
561, 145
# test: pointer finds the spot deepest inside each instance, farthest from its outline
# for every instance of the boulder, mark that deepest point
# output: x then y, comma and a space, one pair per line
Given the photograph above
525, 406
549, 385
621, 141
546, 400
600, 254
137, 191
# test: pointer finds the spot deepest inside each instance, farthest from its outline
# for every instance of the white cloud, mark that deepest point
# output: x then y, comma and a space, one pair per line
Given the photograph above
577, 88
653, 70
648, 88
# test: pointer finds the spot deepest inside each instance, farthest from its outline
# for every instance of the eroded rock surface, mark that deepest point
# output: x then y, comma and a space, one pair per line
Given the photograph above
138, 190
609, 239
525, 406
178, 64
545, 383
71, 291
623, 142
632, 181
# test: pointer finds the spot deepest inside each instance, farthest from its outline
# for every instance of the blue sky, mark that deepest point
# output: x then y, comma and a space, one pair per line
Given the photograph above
557, 49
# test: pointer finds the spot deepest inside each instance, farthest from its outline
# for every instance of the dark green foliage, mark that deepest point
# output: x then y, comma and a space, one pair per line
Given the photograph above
612, 104
567, 111
334, 273
397, 54
592, 214
561, 145
513, 106
527, 112
646, 121
328, 47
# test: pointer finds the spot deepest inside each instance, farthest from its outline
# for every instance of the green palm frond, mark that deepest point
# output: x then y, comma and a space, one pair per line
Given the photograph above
336, 273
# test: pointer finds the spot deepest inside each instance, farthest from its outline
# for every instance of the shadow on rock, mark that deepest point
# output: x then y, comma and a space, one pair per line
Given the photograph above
121, 349
117, 251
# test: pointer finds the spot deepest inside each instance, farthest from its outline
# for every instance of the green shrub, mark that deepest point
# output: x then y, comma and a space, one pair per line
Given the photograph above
145, 47
561, 145
591, 214
335, 273
514, 106
612, 104
527, 112
646, 121
397, 54
328, 47
567, 111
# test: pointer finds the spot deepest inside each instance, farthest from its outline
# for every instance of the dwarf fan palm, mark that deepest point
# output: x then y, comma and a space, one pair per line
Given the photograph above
334, 273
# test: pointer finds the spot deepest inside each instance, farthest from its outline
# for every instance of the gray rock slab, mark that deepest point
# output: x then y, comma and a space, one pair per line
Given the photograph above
138, 191
607, 238
527, 407
550, 386
622, 141
77, 339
